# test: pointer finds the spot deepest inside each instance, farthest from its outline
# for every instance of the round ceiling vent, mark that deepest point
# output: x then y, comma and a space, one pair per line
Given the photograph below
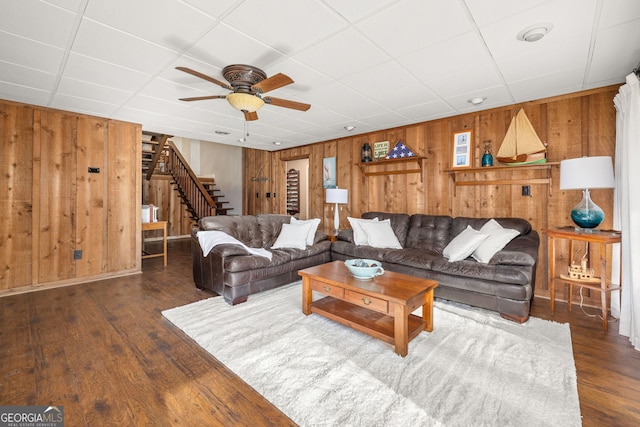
533, 33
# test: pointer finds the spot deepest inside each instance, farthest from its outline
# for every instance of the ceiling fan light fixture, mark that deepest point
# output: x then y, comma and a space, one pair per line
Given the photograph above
533, 33
245, 102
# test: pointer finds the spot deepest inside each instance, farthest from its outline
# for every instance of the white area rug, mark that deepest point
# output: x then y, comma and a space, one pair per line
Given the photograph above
474, 369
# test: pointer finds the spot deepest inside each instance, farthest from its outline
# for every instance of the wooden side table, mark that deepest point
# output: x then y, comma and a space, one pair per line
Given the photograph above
602, 238
158, 225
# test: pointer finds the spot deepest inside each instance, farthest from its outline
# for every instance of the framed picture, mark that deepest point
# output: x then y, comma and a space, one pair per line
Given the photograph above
380, 149
461, 150
329, 172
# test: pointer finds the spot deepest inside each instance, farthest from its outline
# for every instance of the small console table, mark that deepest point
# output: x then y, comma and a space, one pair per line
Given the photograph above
601, 238
158, 225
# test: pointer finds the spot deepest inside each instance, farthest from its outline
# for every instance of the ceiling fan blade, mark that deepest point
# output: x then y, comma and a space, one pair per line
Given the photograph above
271, 83
286, 103
204, 76
202, 98
250, 116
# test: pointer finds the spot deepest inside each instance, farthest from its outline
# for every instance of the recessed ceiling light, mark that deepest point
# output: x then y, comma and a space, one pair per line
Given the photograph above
535, 32
477, 100
349, 128
277, 143
222, 132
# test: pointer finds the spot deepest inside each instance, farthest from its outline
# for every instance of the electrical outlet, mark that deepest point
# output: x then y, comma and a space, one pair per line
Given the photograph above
526, 190
77, 254
268, 195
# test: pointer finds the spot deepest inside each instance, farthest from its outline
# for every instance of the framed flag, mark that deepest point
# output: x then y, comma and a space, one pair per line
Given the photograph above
400, 151
461, 149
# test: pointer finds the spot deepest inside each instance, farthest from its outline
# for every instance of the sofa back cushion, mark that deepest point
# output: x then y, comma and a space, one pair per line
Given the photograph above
399, 223
270, 226
461, 222
242, 227
430, 232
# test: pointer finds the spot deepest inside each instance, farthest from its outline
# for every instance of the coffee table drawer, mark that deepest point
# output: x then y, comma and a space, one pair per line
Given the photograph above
327, 289
367, 301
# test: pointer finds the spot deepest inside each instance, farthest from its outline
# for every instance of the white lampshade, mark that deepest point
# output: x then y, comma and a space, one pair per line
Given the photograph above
586, 173
245, 102
337, 195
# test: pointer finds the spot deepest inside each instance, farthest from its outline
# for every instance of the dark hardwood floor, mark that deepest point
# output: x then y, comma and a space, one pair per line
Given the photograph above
104, 352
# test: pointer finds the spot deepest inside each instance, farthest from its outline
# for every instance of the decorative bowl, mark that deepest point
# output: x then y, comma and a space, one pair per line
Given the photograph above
364, 268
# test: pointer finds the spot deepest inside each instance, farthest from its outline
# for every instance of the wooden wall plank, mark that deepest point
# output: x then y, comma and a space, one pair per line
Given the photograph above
57, 196
16, 195
90, 234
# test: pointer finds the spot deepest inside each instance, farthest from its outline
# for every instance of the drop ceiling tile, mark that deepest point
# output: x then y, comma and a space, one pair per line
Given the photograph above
382, 78
565, 81
428, 111
72, 5
145, 118
160, 25
29, 77
304, 78
488, 11
405, 97
354, 10
570, 19
607, 46
496, 96
413, 24
102, 73
28, 53
82, 105
383, 121
342, 100
466, 81
295, 25
80, 89
37, 20
160, 106
25, 94
215, 9
464, 52
349, 51
619, 12
172, 92
214, 48
107, 44
544, 60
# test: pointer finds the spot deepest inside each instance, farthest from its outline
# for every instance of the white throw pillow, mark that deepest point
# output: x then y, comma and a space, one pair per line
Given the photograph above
315, 222
498, 239
292, 236
380, 234
359, 235
464, 244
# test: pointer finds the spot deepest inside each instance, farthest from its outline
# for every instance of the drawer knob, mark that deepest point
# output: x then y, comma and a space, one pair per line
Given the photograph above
327, 288
366, 300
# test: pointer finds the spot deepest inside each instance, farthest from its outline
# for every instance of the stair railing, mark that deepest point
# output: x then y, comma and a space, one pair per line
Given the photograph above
195, 196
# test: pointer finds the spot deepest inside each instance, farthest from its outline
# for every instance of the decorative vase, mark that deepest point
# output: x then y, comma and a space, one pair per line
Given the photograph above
587, 214
487, 158
365, 153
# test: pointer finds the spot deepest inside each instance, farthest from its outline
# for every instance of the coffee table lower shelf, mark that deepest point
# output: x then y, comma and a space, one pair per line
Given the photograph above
377, 325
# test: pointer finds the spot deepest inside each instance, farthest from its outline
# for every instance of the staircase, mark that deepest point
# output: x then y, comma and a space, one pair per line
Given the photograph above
200, 196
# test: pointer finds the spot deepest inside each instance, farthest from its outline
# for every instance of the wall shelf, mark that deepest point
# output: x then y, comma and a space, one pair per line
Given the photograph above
419, 166
478, 172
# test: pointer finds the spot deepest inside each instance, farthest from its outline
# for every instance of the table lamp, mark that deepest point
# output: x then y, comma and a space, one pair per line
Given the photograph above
337, 195
585, 173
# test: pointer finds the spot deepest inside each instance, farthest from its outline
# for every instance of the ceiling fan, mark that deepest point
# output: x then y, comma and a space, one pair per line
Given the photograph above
247, 84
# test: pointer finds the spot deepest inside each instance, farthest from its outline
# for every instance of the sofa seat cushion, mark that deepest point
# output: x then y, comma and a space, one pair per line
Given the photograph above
250, 262
474, 270
350, 250
417, 258
309, 251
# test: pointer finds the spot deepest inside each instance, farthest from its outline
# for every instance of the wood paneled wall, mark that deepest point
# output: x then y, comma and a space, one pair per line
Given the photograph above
573, 125
163, 194
51, 206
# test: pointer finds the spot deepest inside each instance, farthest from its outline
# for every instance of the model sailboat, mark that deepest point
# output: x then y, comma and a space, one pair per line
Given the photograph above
521, 144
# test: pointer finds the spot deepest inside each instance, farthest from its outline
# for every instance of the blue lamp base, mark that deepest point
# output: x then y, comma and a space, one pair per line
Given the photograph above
587, 214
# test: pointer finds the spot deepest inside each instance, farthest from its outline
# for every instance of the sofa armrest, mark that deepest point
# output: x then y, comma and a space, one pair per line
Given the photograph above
229, 250
523, 250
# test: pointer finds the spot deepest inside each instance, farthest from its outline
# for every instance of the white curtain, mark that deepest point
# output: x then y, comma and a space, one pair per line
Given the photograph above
626, 208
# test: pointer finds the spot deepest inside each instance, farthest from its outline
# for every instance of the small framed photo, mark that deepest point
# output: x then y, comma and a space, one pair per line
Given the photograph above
461, 150
380, 149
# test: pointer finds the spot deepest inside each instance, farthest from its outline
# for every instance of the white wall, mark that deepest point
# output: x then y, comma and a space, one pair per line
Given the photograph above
221, 162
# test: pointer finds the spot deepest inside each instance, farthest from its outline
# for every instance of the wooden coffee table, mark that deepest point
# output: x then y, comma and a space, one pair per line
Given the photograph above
380, 307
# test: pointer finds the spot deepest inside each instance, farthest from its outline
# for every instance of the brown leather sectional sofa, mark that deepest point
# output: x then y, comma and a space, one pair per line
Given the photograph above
505, 284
